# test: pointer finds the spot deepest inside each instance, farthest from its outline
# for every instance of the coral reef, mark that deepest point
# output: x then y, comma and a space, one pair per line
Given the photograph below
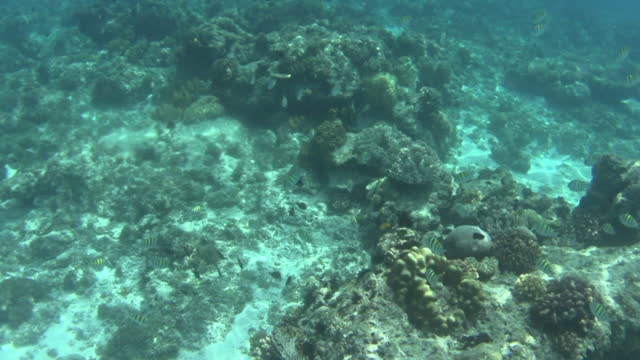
330, 135
18, 298
192, 168
391, 243
108, 92
393, 154
529, 287
610, 199
205, 108
565, 307
515, 131
440, 129
430, 305
560, 81
380, 92
517, 249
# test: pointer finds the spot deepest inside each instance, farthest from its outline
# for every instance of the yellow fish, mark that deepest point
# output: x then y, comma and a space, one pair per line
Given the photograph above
384, 226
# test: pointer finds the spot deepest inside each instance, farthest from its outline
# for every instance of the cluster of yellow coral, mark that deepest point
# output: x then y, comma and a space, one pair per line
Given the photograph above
436, 293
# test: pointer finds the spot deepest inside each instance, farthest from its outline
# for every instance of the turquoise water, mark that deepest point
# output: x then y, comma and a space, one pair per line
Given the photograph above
288, 179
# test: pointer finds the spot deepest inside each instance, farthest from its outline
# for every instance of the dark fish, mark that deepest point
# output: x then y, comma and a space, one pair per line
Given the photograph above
302, 205
276, 275
240, 263
579, 185
289, 280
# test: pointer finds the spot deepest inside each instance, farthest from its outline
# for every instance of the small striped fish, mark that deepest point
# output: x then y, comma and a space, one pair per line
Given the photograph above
627, 220
579, 185
542, 228
431, 277
599, 311
434, 245
545, 266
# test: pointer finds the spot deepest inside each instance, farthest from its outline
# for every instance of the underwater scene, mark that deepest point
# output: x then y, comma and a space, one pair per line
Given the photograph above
319, 180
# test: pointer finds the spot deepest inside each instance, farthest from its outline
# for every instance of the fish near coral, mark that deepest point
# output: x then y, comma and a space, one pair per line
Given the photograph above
467, 241
578, 185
